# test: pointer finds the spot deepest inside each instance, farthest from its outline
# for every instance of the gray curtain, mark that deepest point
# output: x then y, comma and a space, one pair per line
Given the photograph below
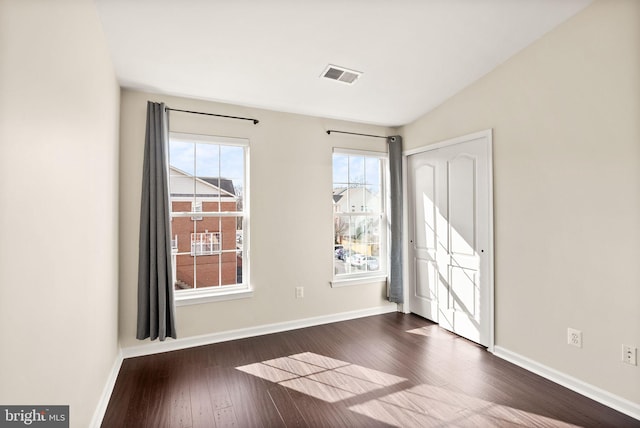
155, 283
395, 190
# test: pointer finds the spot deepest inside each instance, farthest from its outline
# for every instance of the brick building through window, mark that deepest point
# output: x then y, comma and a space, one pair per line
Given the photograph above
206, 251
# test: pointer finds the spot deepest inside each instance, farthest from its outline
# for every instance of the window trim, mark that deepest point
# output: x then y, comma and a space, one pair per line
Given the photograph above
369, 279
222, 292
206, 295
379, 276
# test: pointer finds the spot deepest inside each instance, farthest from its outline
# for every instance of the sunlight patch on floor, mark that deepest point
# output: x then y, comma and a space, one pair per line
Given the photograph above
371, 375
423, 405
429, 331
319, 360
426, 406
321, 377
317, 389
296, 367
269, 373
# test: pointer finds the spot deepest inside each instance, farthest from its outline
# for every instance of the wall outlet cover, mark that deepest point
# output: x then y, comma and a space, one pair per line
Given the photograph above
630, 355
574, 337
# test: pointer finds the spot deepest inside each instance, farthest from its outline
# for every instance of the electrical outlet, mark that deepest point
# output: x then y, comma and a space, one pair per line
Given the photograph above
630, 355
574, 337
299, 292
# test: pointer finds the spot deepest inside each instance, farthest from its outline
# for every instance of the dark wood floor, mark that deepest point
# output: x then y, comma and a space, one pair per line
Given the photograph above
386, 370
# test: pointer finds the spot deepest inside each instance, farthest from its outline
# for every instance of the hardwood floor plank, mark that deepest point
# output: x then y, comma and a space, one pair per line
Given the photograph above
202, 413
180, 401
319, 413
125, 384
157, 403
220, 400
289, 413
250, 401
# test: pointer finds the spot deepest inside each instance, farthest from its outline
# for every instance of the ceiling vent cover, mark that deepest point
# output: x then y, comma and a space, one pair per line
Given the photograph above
341, 74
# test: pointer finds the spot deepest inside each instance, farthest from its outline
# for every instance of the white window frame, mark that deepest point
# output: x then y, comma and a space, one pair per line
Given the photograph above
379, 276
221, 292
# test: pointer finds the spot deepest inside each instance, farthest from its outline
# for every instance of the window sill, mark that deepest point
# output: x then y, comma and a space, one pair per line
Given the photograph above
195, 297
377, 279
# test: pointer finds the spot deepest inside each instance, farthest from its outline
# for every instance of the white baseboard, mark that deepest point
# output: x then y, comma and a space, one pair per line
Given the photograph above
600, 395
207, 339
101, 408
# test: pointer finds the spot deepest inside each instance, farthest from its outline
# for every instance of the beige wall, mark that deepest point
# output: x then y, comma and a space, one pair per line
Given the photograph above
291, 215
566, 119
58, 190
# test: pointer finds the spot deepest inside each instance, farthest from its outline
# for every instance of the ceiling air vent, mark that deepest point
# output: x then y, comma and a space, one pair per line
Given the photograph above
341, 74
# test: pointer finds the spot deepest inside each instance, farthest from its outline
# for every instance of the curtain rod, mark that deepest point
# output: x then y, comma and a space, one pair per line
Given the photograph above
255, 121
356, 133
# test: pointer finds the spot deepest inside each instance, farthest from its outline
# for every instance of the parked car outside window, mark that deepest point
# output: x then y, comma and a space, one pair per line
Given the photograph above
372, 263
358, 260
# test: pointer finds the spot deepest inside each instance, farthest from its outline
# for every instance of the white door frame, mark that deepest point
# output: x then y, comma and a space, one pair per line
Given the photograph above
488, 134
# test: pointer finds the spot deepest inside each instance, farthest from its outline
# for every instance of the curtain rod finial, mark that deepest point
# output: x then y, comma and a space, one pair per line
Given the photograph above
355, 133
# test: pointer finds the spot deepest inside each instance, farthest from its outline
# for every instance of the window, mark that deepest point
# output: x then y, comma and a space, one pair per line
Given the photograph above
205, 243
196, 207
208, 192
359, 217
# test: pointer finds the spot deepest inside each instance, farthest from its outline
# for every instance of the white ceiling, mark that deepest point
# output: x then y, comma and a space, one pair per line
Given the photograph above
270, 53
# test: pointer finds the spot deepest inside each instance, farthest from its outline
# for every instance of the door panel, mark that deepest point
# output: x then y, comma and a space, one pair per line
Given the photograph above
462, 204
423, 296
464, 290
450, 237
425, 237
